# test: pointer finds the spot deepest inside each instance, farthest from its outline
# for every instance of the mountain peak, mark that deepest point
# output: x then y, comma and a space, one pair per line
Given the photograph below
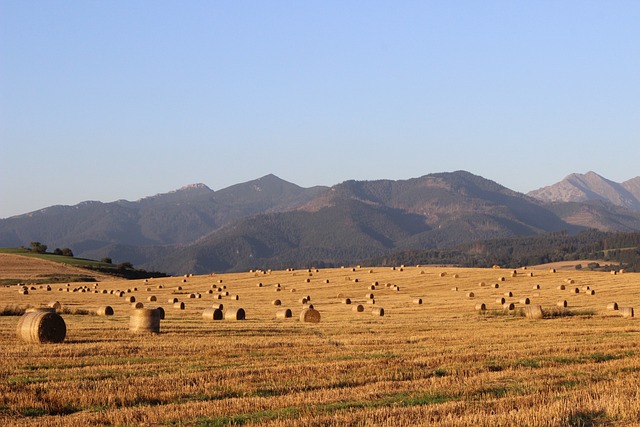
590, 187
197, 186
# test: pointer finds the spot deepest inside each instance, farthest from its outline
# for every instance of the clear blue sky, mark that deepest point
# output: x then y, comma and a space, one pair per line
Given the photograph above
107, 100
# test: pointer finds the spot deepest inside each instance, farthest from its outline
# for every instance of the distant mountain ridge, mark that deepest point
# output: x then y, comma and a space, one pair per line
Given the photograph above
592, 187
271, 223
177, 217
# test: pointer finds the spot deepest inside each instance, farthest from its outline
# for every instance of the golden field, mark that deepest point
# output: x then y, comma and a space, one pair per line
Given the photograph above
441, 362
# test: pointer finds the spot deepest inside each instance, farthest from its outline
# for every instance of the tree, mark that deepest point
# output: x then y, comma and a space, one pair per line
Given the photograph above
38, 247
107, 260
67, 252
57, 251
125, 266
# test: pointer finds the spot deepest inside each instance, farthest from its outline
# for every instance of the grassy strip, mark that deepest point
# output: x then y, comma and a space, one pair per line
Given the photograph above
399, 400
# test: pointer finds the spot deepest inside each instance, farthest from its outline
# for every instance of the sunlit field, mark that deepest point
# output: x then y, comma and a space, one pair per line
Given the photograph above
441, 362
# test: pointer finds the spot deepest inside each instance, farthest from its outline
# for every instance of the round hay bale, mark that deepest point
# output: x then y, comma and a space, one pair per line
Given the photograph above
613, 272
562, 304
137, 305
303, 300
552, 270
561, 288
173, 300
586, 288
160, 287
455, 289
236, 297
470, 295
260, 284
212, 314
217, 296
23, 292
442, 274
192, 296
210, 291
612, 306
509, 306
369, 296
105, 310
55, 305
41, 327
377, 311
501, 279
481, 307
372, 288
501, 301
218, 306
525, 301
371, 301
536, 286
417, 300
234, 314
396, 288
346, 301
152, 298
576, 291
131, 299
481, 284
178, 305
144, 320
160, 312
178, 288
455, 275
496, 285
276, 302
40, 310
591, 292
104, 291
326, 280
627, 311
307, 280
358, 308
508, 294
284, 313
355, 280
534, 312
292, 290
310, 315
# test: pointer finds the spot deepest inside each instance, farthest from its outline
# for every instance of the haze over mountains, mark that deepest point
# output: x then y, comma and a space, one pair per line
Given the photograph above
271, 223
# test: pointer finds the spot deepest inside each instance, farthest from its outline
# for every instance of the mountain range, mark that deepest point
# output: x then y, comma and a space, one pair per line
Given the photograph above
271, 223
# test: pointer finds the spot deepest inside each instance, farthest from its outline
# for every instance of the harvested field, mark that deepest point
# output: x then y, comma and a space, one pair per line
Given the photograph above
441, 362
13, 267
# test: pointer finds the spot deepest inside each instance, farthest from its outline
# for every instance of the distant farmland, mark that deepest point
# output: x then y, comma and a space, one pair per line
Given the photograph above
441, 362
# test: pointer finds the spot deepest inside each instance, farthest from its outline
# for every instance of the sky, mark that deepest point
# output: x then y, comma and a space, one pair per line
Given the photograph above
108, 100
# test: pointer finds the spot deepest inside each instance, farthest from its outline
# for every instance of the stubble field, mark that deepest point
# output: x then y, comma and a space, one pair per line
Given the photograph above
441, 362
